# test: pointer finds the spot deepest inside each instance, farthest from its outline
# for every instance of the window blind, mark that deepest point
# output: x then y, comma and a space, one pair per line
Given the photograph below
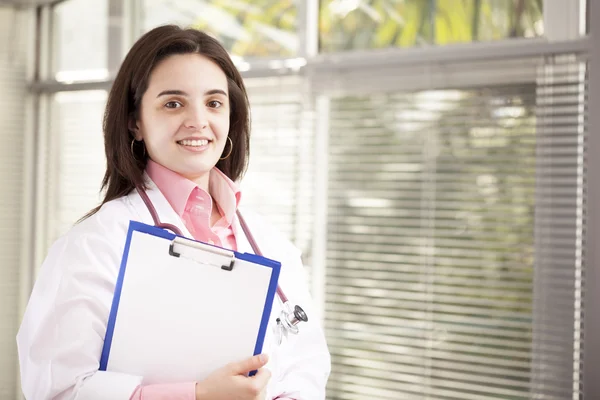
76, 158
455, 221
13, 87
280, 176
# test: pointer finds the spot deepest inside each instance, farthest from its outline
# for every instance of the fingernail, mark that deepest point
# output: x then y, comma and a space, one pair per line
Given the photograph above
263, 358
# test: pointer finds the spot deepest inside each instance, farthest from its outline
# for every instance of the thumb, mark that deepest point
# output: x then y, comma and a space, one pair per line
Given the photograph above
249, 364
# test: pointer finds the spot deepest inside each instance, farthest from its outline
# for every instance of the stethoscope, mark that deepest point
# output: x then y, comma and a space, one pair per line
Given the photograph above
289, 319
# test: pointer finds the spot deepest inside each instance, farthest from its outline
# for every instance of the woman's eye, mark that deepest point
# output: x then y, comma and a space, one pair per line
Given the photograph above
173, 104
214, 104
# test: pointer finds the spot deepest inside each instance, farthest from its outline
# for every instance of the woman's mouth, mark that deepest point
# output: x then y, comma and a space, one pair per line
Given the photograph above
194, 145
194, 142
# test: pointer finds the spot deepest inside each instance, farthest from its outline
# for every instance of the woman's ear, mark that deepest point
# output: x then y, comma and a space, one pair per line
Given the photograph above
134, 129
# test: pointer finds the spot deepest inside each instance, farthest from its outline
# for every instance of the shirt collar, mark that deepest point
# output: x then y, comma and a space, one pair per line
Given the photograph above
225, 192
177, 189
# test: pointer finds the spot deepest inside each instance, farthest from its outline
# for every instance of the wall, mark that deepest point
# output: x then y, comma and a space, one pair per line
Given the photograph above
15, 32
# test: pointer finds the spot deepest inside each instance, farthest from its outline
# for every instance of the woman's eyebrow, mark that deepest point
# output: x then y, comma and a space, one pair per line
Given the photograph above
172, 92
175, 92
215, 91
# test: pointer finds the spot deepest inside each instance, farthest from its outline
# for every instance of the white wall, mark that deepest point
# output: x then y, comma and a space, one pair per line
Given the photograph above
14, 44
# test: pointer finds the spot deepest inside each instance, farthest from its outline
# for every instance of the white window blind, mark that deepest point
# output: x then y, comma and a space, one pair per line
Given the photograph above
279, 180
455, 217
75, 157
13, 87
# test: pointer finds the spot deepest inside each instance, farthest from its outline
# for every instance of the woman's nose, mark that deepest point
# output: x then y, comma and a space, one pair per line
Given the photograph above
196, 118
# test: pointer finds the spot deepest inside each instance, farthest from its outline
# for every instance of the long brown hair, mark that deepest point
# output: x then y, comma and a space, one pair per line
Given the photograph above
126, 159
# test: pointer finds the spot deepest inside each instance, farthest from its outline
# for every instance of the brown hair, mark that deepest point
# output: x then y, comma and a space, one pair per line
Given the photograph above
125, 168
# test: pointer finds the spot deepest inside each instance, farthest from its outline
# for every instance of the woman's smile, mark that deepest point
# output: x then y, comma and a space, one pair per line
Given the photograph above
194, 145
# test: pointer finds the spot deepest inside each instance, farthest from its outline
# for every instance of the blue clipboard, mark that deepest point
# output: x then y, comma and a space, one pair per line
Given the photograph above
147, 244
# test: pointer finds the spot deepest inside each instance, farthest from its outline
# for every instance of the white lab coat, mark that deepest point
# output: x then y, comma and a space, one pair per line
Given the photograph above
62, 333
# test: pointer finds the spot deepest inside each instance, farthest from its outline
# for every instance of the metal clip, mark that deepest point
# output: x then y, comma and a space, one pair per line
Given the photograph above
217, 256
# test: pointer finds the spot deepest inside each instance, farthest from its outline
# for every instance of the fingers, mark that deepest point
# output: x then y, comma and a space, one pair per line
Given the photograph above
261, 379
250, 364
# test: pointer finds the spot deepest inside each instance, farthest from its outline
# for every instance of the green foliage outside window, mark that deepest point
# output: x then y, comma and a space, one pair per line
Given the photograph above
354, 24
269, 28
263, 28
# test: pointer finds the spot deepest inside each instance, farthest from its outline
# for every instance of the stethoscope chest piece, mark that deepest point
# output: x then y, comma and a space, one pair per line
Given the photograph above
288, 321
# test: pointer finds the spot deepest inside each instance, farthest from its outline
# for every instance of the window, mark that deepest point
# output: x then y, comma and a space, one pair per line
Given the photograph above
80, 41
353, 24
246, 28
278, 183
76, 158
454, 239
452, 196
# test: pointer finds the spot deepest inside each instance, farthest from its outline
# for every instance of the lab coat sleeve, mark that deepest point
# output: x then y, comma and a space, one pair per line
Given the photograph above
305, 364
62, 333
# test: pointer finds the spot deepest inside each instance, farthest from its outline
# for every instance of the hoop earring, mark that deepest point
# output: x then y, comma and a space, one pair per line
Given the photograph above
133, 153
230, 149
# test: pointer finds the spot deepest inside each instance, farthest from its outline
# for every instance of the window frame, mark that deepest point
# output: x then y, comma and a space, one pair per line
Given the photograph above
561, 35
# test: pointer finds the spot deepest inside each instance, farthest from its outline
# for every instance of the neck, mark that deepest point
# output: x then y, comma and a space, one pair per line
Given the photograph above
202, 181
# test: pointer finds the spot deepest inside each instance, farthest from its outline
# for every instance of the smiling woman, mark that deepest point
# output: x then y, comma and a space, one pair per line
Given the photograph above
176, 127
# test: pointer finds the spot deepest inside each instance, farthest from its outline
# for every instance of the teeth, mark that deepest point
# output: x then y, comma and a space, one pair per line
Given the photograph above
194, 143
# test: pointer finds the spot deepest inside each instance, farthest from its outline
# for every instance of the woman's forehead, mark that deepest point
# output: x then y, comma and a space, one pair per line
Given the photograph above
191, 73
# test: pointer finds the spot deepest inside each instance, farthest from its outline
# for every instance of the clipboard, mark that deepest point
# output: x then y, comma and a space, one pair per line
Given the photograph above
182, 308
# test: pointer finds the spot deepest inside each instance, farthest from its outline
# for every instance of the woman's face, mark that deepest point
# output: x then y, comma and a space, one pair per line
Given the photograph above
184, 115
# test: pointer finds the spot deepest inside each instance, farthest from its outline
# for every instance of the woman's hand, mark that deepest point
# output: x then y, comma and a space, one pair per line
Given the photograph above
231, 382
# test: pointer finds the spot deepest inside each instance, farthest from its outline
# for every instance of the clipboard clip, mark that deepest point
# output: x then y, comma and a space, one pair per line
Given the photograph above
216, 255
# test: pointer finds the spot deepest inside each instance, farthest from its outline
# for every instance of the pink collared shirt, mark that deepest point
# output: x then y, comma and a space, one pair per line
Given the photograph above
194, 206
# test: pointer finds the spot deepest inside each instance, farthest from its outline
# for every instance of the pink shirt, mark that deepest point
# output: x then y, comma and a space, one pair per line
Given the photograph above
194, 206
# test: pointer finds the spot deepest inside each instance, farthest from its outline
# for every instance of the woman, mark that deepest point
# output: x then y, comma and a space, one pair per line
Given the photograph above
177, 125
